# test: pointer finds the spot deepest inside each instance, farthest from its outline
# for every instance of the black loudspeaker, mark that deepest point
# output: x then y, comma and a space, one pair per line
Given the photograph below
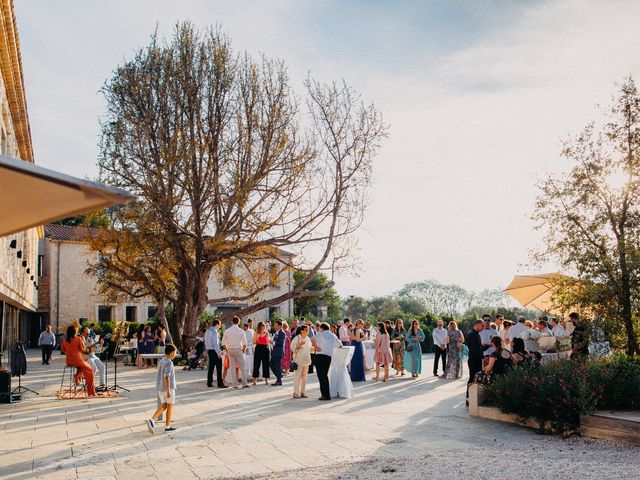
5, 381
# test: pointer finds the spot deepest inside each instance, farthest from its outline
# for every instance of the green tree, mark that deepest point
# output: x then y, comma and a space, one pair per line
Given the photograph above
99, 219
355, 307
309, 306
590, 217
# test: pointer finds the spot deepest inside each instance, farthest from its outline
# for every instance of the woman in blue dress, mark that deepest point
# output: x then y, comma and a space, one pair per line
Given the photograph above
149, 342
413, 353
357, 361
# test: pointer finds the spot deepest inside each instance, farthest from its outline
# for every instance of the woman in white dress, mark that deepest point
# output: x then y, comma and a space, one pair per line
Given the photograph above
301, 352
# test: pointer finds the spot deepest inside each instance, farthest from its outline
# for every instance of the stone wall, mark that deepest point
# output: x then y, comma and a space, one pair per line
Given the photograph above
216, 289
16, 285
73, 294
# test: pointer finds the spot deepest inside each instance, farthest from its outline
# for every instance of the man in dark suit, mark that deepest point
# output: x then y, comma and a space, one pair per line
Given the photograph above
278, 352
474, 344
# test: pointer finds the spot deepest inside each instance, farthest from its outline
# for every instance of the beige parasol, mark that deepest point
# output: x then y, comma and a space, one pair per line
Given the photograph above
32, 196
534, 291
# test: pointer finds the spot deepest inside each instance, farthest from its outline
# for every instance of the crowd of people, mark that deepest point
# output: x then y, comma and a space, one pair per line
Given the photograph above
246, 354
243, 353
496, 346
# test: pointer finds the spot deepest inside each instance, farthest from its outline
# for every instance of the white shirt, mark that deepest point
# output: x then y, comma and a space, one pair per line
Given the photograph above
516, 331
487, 334
234, 337
343, 332
248, 334
559, 331
211, 340
546, 333
439, 336
327, 342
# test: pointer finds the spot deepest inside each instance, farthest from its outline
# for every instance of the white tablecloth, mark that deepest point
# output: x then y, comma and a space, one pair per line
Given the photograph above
550, 357
339, 380
369, 352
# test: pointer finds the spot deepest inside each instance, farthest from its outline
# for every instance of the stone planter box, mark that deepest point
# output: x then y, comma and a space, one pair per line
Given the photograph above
605, 425
477, 409
617, 426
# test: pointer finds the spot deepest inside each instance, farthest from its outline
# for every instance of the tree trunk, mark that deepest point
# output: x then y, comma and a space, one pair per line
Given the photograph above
625, 297
192, 300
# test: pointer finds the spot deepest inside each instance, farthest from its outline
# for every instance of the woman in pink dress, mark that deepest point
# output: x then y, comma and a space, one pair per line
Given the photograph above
382, 357
286, 358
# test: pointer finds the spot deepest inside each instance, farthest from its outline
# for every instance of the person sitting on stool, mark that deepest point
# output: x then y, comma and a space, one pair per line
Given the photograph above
47, 341
73, 348
93, 360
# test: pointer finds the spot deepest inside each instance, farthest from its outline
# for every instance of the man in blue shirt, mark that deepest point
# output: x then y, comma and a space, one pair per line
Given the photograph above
325, 343
214, 352
278, 352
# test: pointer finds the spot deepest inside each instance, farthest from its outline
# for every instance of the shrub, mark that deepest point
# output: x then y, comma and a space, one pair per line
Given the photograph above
554, 395
106, 327
616, 381
133, 328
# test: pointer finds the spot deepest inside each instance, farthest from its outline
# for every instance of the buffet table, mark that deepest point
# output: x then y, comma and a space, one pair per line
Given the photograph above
339, 380
552, 357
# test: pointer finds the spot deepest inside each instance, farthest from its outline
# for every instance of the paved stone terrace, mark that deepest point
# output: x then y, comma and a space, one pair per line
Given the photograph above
229, 433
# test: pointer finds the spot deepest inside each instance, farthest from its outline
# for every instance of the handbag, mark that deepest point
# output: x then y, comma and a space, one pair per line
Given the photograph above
410, 347
293, 367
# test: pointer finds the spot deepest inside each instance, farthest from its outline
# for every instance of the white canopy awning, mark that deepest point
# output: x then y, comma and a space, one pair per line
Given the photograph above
31, 195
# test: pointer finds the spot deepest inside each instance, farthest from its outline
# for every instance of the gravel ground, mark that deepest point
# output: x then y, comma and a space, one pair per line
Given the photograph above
544, 458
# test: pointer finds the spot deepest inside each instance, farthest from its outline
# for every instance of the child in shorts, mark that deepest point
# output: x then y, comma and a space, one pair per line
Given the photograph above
165, 389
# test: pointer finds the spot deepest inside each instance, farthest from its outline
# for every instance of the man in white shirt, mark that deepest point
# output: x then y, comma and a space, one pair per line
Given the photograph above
543, 328
93, 360
214, 353
440, 340
325, 343
558, 330
47, 341
500, 324
487, 334
517, 329
235, 342
343, 332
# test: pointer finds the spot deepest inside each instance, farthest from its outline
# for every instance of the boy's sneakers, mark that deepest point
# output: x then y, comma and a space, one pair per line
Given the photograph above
170, 429
151, 427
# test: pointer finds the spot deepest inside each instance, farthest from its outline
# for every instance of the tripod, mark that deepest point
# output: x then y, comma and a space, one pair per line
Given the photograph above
115, 386
19, 389
19, 356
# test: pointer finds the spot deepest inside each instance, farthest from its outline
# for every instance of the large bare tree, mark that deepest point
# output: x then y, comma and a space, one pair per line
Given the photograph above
230, 168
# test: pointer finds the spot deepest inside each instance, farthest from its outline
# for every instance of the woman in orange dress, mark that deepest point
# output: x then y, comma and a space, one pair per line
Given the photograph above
73, 348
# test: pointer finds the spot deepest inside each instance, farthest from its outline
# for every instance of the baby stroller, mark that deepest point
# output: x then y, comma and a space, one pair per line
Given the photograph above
199, 360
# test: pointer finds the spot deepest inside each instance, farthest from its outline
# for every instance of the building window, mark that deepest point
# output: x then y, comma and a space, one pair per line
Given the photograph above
104, 313
273, 275
130, 314
274, 313
5, 143
40, 265
152, 311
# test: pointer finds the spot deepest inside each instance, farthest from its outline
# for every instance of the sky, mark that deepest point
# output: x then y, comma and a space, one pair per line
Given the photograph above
479, 96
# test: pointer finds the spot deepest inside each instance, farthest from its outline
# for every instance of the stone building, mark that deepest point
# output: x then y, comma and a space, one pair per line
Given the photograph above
67, 293
282, 282
19, 265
